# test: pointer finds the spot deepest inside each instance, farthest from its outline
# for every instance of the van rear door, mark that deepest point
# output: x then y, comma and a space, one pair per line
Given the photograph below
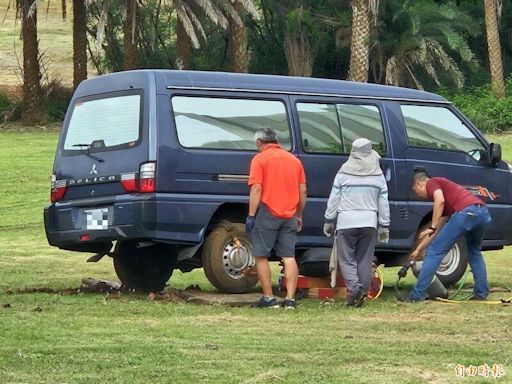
101, 148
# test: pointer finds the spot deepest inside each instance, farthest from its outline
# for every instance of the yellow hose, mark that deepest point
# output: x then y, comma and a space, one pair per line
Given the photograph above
380, 274
488, 302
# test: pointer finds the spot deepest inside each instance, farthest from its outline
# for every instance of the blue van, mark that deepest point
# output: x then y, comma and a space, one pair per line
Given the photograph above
151, 168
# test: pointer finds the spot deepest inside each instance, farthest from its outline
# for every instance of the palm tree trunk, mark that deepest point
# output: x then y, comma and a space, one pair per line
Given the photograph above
238, 40
130, 36
183, 49
297, 50
79, 42
494, 47
64, 10
360, 41
32, 109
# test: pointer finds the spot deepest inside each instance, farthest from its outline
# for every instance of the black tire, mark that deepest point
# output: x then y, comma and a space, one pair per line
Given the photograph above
224, 262
145, 269
454, 264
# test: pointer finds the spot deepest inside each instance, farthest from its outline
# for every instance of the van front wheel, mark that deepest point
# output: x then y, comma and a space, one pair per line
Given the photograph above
227, 256
144, 269
454, 264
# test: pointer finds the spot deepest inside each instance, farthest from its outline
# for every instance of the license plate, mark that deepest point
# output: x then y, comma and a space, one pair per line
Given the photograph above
96, 218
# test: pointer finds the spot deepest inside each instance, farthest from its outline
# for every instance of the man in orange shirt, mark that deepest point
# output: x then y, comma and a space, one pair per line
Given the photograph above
276, 202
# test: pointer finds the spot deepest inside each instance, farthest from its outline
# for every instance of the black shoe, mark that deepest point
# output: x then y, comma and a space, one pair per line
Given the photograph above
478, 298
289, 303
357, 300
267, 302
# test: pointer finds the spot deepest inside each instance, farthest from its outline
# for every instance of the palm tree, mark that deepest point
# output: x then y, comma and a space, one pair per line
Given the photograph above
238, 32
494, 47
189, 23
297, 46
79, 42
359, 47
422, 35
32, 108
130, 35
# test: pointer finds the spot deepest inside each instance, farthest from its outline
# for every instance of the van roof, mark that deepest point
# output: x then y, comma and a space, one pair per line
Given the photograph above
166, 79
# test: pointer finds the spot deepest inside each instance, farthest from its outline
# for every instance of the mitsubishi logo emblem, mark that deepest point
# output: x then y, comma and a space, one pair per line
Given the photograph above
93, 170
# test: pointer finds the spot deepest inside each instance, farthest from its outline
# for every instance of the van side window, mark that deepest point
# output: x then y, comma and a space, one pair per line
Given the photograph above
109, 121
222, 123
331, 128
439, 128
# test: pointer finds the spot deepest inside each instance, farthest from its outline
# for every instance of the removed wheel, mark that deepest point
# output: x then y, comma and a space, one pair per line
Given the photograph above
454, 264
227, 254
144, 269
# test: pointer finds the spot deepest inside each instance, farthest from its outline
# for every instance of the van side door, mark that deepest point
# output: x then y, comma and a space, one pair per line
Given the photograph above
443, 143
327, 127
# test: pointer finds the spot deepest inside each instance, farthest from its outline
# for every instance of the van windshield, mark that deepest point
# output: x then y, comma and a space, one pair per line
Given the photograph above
104, 123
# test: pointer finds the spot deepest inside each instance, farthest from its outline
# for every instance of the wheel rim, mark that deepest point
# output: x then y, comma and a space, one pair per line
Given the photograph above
236, 257
450, 262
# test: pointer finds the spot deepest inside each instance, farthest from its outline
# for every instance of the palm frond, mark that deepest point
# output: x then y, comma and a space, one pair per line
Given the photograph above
213, 13
181, 11
231, 12
392, 71
102, 23
33, 8
248, 5
449, 65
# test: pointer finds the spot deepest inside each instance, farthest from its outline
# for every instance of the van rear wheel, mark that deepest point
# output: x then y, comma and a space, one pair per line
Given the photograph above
144, 269
227, 255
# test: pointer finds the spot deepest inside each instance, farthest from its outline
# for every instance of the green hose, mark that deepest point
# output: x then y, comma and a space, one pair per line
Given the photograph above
462, 282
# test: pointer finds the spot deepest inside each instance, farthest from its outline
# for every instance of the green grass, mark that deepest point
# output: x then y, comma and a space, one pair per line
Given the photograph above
506, 145
90, 338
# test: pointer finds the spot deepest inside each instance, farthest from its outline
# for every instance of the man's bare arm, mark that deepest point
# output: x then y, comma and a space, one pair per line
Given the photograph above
254, 199
436, 214
303, 193
438, 207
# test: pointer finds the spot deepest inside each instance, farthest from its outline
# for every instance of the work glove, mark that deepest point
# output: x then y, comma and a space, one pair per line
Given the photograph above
383, 235
328, 229
249, 224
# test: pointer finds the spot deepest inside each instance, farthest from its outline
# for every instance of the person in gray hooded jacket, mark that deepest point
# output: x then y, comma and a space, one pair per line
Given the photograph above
358, 212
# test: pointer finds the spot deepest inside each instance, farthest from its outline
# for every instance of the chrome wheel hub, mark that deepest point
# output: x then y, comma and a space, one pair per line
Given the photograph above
237, 257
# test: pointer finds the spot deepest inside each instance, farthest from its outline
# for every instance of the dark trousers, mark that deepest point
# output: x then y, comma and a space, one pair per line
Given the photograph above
356, 248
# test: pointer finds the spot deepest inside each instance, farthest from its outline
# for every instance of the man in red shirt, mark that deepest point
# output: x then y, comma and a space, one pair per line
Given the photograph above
276, 201
468, 217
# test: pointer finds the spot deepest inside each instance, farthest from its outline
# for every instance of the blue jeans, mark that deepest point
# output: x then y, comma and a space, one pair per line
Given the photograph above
470, 222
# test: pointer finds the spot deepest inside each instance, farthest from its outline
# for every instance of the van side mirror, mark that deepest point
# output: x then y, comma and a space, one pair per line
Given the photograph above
494, 153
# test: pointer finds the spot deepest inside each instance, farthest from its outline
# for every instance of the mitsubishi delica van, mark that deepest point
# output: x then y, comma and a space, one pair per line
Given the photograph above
151, 168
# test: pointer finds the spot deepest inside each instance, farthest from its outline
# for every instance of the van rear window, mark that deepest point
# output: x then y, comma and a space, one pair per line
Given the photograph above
222, 123
105, 123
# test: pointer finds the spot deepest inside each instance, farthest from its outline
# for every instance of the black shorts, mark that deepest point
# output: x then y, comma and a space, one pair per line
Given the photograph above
271, 232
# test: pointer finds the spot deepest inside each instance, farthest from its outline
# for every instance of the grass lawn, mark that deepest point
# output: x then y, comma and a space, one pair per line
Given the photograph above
55, 42
90, 338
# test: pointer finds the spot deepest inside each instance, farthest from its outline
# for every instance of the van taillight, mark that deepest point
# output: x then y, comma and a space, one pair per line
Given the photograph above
129, 182
58, 190
145, 183
147, 177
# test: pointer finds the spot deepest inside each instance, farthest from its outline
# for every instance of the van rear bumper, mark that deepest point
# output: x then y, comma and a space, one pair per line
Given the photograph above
171, 218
